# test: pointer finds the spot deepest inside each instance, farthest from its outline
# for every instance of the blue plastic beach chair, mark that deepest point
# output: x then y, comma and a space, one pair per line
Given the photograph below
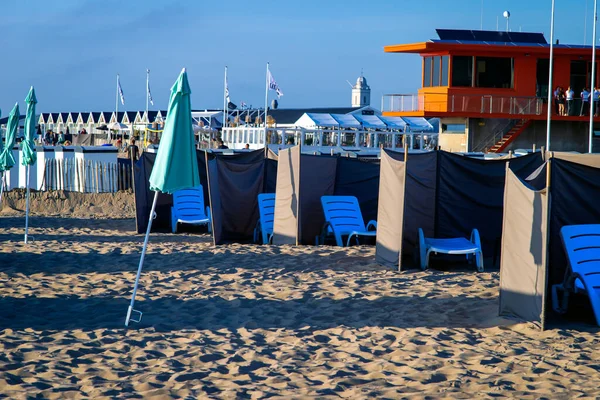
582, 247
266, 210
188, 208
470, 248
343, 217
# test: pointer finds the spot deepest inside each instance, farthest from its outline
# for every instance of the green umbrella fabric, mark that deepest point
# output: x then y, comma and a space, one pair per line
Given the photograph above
28, 155
1, 144
176, 165
6, 157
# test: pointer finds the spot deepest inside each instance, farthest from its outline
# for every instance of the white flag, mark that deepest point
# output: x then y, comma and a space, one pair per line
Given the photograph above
273, 85
227, 92
120, 90
148, 88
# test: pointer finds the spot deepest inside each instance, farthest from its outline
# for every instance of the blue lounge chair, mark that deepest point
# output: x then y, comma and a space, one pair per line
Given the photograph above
188, 208
470, 248
343, 217
266, 210
582, 247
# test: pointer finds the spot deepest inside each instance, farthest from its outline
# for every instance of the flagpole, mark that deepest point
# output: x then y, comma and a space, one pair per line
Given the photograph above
147, 90
225, 99
593, 84
550, 76
116, 108
266, 101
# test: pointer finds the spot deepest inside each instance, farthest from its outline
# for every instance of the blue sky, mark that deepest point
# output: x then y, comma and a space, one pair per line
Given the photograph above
71, 50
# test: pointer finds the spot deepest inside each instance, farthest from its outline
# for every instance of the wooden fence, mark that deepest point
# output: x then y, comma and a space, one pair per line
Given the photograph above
87, 176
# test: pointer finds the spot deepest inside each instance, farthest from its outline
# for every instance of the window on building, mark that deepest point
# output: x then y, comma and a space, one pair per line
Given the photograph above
454, 128
445, 63
364, 99
462, 71
427, 72
578, 76
494, 72
435, 79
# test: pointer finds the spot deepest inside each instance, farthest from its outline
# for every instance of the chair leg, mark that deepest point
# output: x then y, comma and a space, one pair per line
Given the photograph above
350, 238
594, 296
425, 260
479, 261
560, 309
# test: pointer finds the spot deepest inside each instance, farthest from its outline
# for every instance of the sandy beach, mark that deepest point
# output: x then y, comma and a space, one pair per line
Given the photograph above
248, 321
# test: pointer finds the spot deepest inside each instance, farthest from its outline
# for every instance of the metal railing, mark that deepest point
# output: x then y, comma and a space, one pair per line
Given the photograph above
458, 103
493, 138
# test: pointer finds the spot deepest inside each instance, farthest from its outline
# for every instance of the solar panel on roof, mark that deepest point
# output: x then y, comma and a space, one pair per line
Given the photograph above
491, 36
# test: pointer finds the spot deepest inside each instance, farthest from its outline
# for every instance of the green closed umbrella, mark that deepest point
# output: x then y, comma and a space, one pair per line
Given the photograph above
28, 156
6, 157
176, 165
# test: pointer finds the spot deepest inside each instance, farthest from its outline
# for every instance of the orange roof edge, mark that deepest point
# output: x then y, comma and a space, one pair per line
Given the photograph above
406, 48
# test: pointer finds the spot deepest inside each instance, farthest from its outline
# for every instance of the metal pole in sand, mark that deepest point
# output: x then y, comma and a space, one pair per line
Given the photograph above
27, 168
2, 176
139, 272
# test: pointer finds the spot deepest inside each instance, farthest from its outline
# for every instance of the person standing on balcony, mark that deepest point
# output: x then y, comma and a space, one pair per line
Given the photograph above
561, 102
596, 98
585, 102
555, 95
569, 95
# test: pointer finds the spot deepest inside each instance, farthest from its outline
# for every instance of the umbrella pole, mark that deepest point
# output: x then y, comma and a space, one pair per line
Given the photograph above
139, 272
1, 187
27, 168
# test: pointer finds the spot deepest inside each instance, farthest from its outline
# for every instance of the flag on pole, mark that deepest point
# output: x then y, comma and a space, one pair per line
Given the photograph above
148, 88
273, 85
227, 91
120, 90
243, 104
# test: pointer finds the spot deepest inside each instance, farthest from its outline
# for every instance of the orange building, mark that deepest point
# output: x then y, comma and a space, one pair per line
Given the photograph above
490, 90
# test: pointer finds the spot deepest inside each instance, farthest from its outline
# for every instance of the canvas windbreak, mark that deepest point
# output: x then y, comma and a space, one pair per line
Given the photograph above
448, 195
524, 243
301, 182
143, 194
575, 191
532, 223
234, 185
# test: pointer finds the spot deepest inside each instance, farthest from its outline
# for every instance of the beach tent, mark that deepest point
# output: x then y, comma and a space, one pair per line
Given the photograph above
394, 123
445, 194
314, 120
143, 194
566, 192
346, 121
234, 183
301, 181
370, 121
418, 124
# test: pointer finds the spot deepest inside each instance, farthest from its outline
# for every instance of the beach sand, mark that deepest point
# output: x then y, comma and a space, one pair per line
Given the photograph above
249, 321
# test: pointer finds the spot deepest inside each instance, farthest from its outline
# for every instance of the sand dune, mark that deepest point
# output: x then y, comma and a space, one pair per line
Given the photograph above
244, 321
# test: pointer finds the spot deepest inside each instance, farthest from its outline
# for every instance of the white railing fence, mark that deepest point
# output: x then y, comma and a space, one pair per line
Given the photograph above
86, 176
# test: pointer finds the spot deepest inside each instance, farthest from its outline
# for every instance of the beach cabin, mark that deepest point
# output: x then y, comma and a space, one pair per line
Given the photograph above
490, 91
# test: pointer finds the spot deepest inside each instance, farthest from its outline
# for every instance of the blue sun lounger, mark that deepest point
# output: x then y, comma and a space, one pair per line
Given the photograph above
188, 208
343, 217
582, 248
266, 210
470, 248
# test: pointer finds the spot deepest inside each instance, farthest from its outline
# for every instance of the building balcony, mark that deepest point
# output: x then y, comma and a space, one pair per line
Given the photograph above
463, 105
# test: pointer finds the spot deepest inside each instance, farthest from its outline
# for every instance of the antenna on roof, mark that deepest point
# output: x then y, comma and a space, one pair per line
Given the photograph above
351, 85
506, 15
